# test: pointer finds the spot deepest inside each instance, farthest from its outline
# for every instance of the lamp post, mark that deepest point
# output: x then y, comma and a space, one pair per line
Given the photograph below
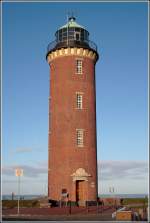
19, 173
112, 190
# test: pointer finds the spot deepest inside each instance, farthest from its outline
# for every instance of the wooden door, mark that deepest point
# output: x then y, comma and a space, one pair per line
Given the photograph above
80, 191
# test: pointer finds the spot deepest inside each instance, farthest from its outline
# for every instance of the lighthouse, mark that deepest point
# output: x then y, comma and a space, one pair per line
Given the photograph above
72, 144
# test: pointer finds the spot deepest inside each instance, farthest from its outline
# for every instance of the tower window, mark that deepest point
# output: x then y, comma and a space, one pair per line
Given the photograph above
79, 100
80, 137
77, 36
79, 66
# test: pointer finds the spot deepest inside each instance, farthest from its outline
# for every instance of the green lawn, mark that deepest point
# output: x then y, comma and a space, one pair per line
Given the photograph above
143, 201
22, 203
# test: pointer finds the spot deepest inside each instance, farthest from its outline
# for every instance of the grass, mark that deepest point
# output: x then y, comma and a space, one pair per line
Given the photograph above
36, 203
143, 201
22, 203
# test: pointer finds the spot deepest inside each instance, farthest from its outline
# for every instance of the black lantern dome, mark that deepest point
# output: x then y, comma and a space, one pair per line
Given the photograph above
71, 35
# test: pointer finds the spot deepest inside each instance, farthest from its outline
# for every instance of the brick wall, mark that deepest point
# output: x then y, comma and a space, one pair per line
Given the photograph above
64, 118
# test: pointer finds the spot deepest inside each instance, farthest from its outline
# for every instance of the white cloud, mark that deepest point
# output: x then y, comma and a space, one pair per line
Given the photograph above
29, 171
22, 150
125, 176
108, 170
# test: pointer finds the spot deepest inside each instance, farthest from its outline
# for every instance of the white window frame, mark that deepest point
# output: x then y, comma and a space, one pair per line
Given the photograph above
80, 137
79, 100
79, 66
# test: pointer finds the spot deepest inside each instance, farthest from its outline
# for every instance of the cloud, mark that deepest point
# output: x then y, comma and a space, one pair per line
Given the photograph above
28, 171
108, 170
43, 164
22, 150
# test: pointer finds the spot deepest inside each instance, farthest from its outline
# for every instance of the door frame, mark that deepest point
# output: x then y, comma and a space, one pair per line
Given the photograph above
77, 190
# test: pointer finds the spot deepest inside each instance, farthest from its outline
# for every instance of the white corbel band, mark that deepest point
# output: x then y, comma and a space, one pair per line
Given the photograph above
81, 52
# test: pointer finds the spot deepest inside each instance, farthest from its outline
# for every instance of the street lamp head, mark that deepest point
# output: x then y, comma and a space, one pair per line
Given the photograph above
19, 172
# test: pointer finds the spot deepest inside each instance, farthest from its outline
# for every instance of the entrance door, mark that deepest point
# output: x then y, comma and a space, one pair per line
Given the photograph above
80, 192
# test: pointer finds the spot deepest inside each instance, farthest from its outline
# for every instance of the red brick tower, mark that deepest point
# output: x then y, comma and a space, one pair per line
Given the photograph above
72, 162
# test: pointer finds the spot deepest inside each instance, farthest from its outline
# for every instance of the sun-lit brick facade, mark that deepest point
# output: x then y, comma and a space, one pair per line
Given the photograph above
72, 161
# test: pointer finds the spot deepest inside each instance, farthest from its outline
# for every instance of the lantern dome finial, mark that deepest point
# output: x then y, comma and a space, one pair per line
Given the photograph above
72, 23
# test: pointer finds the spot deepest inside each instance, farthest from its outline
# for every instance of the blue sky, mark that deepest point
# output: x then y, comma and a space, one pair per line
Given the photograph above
121, 34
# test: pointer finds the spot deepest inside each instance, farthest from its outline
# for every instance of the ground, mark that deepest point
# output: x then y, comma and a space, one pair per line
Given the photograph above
63, 214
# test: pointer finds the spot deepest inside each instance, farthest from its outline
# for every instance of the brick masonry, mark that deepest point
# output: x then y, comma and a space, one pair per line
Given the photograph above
64, 118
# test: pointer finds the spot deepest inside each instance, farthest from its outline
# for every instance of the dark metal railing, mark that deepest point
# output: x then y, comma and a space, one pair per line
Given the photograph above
51, 45
71, 43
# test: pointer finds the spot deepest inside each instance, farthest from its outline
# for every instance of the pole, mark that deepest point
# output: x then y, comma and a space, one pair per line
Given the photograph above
87, 206
19, 173
67, 28
97, 206
18, 193
69, 206
87, 202
114, 198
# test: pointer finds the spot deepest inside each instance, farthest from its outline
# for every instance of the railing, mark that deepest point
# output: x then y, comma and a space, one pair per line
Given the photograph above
58, 44
51, 45
92, 45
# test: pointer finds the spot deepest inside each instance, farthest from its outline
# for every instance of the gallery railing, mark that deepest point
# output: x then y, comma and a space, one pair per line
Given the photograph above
71, 43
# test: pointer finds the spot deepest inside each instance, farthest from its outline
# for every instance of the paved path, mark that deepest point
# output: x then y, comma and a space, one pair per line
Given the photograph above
63, 214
